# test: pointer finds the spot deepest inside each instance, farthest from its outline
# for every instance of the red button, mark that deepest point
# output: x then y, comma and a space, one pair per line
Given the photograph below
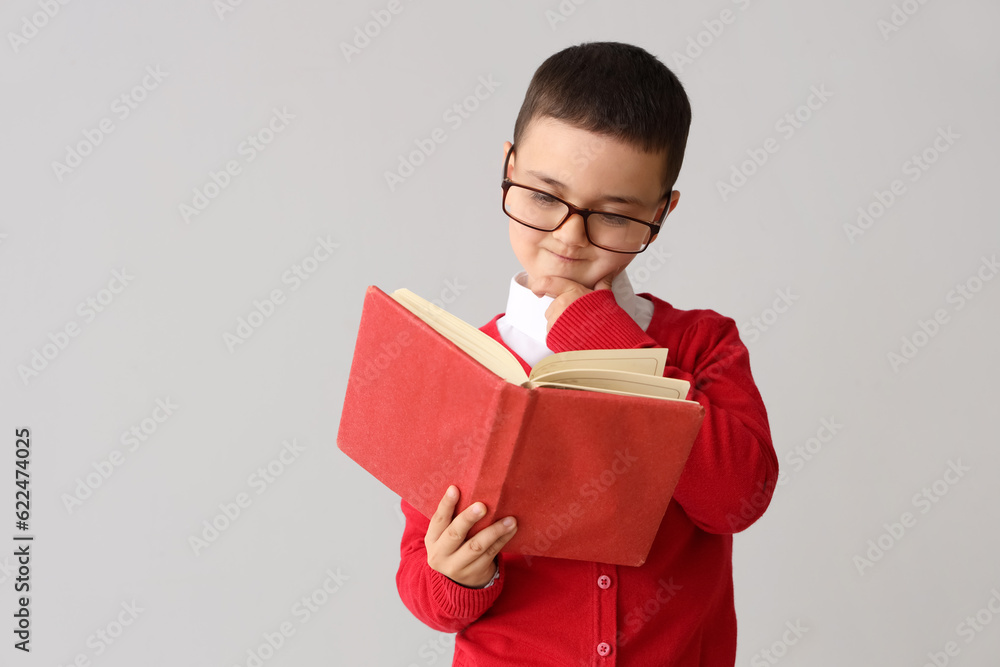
603, 648
604, 581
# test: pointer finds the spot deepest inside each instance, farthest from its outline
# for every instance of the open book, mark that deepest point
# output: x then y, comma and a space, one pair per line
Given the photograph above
628, 372
433, 401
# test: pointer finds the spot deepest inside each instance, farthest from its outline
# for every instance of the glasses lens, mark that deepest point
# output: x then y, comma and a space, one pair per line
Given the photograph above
617, 233
542, 211
536, 209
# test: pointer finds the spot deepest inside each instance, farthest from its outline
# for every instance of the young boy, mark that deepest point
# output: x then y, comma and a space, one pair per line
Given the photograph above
603, 127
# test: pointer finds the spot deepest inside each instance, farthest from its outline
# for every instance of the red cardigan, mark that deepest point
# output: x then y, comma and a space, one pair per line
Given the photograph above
677, 608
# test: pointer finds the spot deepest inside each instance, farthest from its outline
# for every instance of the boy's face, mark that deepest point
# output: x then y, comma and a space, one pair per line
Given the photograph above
590, 171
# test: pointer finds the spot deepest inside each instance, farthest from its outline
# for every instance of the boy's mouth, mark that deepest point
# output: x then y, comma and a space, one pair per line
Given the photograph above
564, 257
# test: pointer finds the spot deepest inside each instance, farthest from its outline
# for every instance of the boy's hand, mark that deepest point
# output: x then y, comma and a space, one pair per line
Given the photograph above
565, 291
467, 562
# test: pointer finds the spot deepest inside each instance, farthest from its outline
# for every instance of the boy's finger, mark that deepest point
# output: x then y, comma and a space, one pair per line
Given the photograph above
608, 280
454, 534
488, 542
442, 516
555, 286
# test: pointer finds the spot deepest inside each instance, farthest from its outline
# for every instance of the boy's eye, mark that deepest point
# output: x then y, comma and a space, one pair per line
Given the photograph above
542, 198
611, 220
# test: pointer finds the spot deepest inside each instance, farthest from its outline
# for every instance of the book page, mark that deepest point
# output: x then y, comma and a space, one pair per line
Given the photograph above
471, 340
614, 381
559, 385
499, 360
647, 361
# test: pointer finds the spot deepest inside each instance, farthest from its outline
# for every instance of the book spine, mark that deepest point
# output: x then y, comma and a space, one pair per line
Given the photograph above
501, 438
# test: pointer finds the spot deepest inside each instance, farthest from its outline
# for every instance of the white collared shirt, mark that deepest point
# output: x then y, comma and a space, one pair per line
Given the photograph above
523, 324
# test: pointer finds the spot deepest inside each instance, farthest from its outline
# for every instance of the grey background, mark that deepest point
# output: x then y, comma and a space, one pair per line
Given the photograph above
324, 176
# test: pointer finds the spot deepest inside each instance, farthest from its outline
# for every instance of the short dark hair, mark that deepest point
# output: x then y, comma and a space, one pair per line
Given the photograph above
617, 90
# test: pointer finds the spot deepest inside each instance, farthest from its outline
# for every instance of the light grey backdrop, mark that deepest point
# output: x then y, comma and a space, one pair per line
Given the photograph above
141, 222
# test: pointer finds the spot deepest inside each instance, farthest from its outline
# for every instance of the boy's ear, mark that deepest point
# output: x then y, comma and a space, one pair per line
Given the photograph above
503, 158
674, 198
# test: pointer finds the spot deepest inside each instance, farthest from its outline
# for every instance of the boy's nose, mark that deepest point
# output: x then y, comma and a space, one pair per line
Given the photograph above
572, 232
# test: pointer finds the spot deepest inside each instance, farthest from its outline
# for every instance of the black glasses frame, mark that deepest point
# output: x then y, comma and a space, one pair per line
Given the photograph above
583, 212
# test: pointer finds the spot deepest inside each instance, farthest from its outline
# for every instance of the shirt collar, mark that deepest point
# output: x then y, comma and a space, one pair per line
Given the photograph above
526, 312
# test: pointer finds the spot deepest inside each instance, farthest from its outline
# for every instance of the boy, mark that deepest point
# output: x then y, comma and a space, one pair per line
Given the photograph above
603, 127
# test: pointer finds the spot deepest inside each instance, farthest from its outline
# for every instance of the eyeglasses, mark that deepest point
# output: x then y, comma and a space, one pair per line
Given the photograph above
545, 212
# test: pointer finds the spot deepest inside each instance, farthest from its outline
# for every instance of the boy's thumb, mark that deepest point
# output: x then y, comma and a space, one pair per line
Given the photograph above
606, 281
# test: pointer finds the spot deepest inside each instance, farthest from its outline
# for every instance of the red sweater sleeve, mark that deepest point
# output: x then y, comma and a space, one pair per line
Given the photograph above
595, 321
730, 476
441, 603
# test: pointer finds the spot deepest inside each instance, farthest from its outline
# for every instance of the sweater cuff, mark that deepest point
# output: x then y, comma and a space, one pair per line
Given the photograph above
595, 321
461, 601
496, 576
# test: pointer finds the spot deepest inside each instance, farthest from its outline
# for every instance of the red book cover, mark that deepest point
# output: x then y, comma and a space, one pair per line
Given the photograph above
587, 474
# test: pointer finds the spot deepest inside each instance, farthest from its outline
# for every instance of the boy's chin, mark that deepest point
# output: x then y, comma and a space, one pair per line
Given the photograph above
585, 281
